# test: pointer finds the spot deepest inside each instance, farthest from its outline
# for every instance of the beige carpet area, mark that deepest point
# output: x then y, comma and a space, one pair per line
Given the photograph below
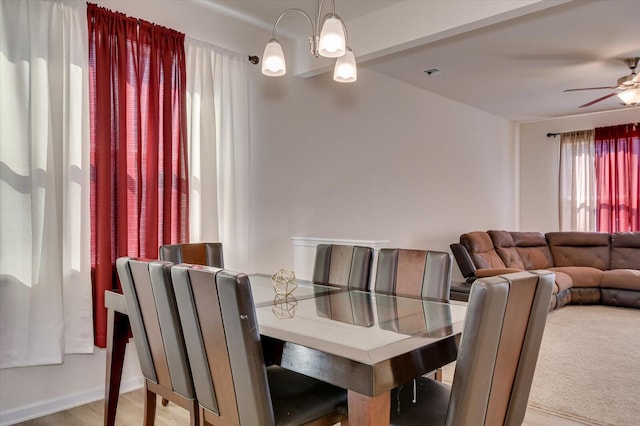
589, 366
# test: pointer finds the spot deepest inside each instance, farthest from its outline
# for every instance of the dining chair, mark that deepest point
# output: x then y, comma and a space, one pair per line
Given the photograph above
157, 335
424, 274
348, 266
209, 254
232, 383
413, 273
496, 361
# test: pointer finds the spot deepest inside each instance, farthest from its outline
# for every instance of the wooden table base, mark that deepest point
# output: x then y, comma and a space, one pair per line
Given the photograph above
369, 410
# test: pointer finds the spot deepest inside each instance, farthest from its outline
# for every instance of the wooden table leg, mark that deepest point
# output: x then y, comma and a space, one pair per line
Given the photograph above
117, 338
369, 410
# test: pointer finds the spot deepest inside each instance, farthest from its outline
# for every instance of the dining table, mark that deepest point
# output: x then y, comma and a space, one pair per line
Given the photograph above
368, 343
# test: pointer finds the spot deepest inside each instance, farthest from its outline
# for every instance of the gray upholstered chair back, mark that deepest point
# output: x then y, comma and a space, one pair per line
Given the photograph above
414, 273
221, 331
499, 349
209, 254
348, 266
155, 324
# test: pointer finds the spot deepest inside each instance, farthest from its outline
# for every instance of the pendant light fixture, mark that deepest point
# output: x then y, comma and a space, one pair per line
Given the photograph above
328, 38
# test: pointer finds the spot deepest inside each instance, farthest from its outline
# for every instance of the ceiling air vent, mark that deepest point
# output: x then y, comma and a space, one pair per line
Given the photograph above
432, 72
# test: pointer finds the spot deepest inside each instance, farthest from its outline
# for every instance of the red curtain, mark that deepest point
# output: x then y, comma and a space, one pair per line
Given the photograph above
617, 181
139, 190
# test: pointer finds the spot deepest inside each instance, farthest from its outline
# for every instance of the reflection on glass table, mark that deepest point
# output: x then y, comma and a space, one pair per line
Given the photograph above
351, 307
414, 316
284, 307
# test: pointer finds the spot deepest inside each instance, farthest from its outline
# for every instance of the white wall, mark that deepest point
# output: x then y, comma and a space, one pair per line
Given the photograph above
540, 159
378, 159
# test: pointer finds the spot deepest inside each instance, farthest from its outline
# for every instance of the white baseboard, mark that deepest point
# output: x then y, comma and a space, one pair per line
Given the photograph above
64, 402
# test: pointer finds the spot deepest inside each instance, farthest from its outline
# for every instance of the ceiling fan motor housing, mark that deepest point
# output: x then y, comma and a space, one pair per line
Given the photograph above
630, 80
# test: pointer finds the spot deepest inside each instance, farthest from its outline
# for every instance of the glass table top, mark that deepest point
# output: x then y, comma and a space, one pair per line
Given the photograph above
361, 326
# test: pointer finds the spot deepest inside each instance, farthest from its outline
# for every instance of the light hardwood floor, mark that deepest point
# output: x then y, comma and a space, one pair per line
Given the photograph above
130, 407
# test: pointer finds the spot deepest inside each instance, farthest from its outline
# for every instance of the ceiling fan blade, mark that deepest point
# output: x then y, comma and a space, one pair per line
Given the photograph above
598, 100
591, 88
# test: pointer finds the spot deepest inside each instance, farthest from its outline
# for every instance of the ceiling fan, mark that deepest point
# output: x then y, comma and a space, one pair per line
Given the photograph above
627, 88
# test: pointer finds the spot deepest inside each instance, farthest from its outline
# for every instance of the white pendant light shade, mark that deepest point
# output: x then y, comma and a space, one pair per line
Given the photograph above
630, 96
332, 38
345, 70
273, 63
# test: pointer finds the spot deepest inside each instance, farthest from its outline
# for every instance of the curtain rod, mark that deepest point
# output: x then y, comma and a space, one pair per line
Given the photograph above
553, 135
255, 60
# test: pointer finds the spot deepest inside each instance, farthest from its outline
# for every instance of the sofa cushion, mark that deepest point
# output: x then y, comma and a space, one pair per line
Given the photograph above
625, 250
585, 295
533, 250
582, 276
624, 298
505, 247
589, 249
563, 280
481, 250
625, 279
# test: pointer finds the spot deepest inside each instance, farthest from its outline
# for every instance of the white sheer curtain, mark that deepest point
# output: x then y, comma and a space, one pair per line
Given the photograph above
45, 285
577, 181
219, 157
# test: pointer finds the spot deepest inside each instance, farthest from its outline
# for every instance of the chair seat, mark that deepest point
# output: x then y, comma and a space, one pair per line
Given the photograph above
298, 399
430, 407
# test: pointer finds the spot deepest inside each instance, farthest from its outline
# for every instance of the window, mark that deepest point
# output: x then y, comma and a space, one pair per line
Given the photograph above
599, 183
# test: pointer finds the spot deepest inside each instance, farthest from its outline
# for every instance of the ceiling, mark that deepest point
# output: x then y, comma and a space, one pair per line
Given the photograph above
516, 68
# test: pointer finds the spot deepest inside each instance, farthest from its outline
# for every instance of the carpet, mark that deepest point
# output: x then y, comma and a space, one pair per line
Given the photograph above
589, 366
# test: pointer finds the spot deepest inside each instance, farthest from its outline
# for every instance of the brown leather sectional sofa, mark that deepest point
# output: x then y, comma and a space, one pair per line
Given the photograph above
590, 267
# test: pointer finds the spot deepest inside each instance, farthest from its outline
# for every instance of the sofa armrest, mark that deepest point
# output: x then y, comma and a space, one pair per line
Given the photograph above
463, 259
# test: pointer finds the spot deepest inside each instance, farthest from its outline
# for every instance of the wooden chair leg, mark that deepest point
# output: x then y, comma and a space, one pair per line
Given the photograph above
149, 406
201, 414
117, 338
194, 414
439, 375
